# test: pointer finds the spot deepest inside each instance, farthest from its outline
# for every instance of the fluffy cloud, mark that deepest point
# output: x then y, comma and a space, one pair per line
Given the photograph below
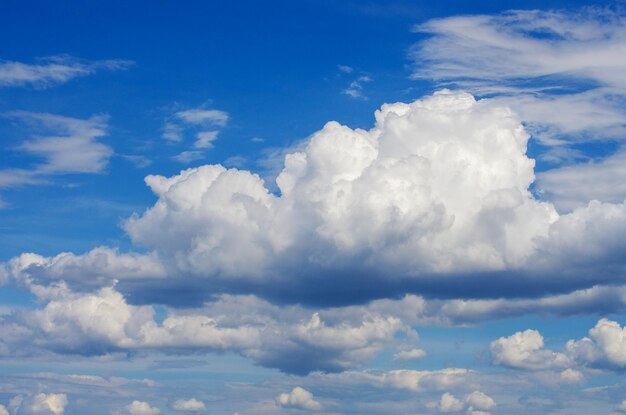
454, 165
142, 408
53, 70
525, 350
3, 410
605, 346
189, 405
475, 403
47, 404
299, 398
437, 192
101, 323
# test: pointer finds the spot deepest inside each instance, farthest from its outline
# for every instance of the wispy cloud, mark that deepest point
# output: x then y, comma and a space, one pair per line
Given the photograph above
563, 72
355, 89
64, 145
203, 117
54, 70
204, 124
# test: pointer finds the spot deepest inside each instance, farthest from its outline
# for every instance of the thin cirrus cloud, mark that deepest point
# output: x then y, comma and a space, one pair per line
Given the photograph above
61, 145
562, 71
53, 70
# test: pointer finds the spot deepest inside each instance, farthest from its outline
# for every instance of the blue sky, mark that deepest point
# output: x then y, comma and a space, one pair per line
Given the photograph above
312, 207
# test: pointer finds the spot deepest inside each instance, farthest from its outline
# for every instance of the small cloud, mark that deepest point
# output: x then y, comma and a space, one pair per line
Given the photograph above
189, 405
142, 408
172, 132
187, 157
205, 139
203, 117
235, 161
345, 68
257, 139
413, 354
53, 70
298, 398
355, 90
138, 161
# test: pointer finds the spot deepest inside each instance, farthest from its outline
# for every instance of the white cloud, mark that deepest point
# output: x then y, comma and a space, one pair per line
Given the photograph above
355, 89
605, 346
97, 268
561, 71
70, 145
198, 116
525, 350
101, 323
190, 405
442, 184
3, 410
475, 403
42, 403
188, 156
205, 139
53, 70
172, 132
571, 376
449, 403
203, 123
142, 408
413, 354
420, 189
299, 398
345, 68
574, 185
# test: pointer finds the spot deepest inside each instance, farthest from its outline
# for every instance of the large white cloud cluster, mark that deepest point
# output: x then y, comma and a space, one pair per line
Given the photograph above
437, 185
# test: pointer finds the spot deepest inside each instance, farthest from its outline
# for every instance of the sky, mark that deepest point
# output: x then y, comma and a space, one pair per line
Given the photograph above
312, 207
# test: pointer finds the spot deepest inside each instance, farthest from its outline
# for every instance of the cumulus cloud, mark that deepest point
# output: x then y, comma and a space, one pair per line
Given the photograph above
525, 350
298, 398
53, 70
442, 184
3, 410
605, 346
42, 403
475, 403
142, 408
101, 323
189, 405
